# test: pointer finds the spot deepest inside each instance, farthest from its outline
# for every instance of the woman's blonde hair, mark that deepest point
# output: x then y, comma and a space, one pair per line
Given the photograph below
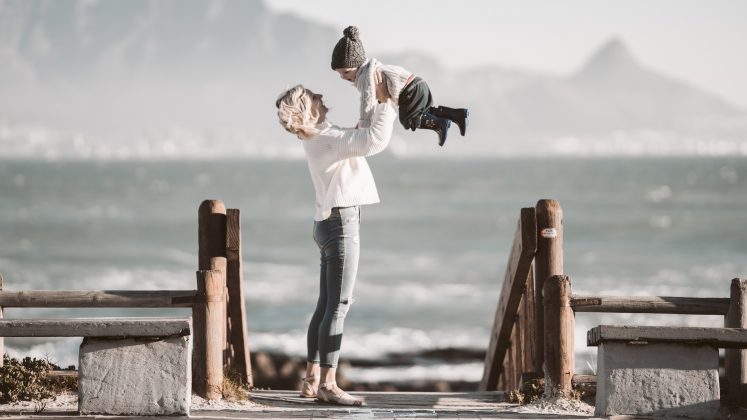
294, 112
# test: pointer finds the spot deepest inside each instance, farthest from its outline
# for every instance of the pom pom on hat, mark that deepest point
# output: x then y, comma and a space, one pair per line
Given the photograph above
352, 32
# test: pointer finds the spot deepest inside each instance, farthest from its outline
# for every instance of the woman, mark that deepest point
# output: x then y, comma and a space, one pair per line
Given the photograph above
343, 182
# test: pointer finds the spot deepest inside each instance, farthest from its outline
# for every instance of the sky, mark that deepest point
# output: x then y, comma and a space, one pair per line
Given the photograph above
703, 43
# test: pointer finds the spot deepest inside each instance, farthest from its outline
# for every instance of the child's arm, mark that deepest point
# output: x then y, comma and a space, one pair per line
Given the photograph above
396, 79
371, 140
365, 84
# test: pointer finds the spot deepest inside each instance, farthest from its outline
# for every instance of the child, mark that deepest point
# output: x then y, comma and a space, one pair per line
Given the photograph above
410, 93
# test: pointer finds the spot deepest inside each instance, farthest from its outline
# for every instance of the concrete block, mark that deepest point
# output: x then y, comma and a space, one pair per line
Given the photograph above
135, 376
657, 380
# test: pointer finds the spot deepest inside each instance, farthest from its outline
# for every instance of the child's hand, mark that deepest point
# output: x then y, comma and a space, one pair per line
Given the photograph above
382, 93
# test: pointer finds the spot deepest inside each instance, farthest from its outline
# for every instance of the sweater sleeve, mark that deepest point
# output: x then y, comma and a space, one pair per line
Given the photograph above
371, 140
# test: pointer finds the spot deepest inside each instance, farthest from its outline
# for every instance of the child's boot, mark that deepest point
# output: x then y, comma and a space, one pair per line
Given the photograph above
440, 125
458, 115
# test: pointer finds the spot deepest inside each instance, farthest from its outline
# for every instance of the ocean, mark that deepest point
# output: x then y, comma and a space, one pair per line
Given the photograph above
433, 251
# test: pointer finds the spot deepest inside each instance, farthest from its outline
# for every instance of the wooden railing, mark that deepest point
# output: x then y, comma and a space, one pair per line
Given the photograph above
733, 309
539, 342
509, 352
218, 310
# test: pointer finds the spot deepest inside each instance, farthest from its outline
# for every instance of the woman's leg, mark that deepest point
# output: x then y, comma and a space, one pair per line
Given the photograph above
311, 381
312, 335
341, 254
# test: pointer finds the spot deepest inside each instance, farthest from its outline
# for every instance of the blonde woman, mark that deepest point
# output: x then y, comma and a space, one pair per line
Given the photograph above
336, 157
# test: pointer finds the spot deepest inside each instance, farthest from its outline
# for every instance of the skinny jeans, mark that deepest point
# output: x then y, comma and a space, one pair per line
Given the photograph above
338, 239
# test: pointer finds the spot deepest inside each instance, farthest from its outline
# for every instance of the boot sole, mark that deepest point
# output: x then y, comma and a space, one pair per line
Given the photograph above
463, 130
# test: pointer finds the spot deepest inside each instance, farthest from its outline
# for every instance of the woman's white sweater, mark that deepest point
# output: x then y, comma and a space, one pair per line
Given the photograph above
337, 164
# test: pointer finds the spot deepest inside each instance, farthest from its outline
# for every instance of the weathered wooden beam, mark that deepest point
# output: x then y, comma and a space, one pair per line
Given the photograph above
514, 285
238, 360
650, 304
584, 379
211, 240
735, 360
208, 363
211, 236
98, 298
548, 262
96, 327
559, 335
717, 337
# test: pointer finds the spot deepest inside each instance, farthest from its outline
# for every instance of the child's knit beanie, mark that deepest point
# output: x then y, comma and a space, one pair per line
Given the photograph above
348, 52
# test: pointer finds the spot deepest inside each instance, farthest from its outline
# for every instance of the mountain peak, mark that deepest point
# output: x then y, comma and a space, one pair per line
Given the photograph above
612, 57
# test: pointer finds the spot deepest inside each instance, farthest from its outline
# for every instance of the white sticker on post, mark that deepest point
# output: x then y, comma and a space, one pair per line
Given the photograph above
549, 233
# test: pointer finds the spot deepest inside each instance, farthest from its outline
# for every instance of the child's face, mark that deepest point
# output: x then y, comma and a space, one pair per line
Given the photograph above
348, 73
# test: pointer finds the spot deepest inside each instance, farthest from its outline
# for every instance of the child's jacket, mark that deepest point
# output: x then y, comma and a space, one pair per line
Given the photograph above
395, 77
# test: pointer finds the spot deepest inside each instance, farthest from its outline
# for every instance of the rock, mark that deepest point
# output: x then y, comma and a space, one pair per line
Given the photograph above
133, 376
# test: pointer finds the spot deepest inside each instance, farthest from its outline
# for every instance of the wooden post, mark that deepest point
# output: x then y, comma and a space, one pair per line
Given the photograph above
238, 348
735, 360
2, 340
211, 236
559, 329
210, 386
548, 262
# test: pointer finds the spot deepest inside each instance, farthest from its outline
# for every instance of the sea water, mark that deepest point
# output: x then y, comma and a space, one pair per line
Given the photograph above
433, 251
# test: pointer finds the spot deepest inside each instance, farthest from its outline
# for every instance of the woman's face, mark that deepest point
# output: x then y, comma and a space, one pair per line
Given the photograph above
318, 109
348, 73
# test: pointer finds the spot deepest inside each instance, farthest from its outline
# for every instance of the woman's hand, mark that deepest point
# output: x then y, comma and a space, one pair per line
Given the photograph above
382, 92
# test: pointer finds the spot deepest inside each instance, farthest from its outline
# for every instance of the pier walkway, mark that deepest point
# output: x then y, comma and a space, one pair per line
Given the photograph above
287, 404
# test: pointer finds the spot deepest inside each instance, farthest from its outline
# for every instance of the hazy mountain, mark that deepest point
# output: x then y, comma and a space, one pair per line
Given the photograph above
192, 77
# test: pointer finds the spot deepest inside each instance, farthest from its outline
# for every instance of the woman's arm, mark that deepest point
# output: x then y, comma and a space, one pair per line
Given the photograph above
371, 140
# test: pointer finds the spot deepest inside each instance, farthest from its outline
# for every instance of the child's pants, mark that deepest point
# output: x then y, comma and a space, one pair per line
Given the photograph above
414, 100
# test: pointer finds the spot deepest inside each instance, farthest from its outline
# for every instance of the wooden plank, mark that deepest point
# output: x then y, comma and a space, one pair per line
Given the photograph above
514, 285
584, 379
238, 359
651, 304
717, 337
548, 262
98, 298
447, 402
528, 315
63, 373
96, 327
735, 360
559, 334
518, 349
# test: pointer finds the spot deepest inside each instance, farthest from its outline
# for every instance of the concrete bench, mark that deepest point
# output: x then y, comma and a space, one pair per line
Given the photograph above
127, 366
660, 371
